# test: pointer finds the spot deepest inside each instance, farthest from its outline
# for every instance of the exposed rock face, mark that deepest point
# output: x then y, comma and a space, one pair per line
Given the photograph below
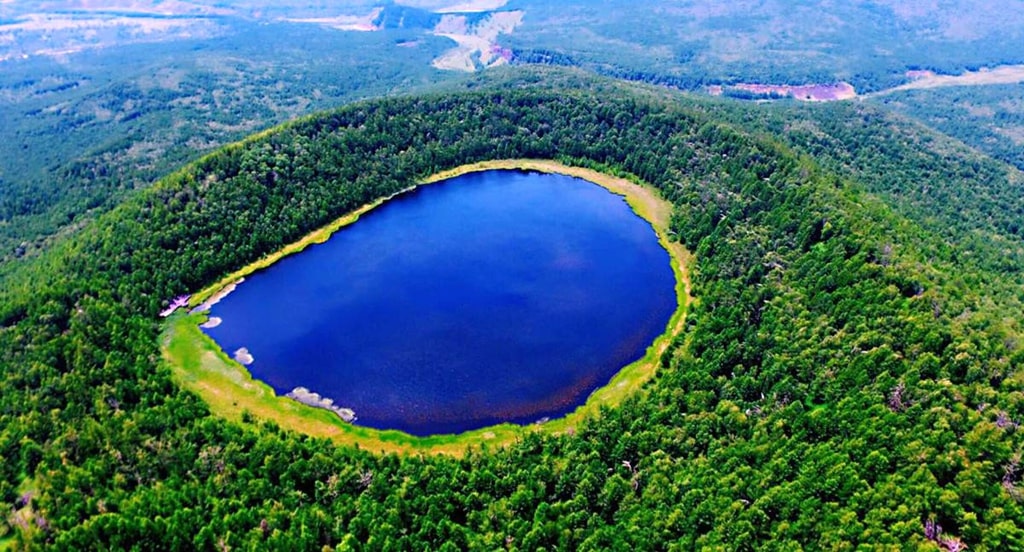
307, 397
243, 356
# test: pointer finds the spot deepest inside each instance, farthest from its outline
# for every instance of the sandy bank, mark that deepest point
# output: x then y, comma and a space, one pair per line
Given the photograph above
217, 297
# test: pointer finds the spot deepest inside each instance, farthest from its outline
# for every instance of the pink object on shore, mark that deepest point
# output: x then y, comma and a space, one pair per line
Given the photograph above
176, 303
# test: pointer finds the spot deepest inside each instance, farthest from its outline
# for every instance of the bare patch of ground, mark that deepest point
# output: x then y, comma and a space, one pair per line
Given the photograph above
163, 7
452, 25
477, 44
56, 23
59, 34
1005, 74
1014, 133
448, 6
165, 78
804, 93
345, 22
980, 111
55, 29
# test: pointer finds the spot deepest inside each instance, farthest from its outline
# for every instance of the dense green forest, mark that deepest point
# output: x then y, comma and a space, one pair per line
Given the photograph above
79, 137
990, 118
849, 375
689, 45
95, 108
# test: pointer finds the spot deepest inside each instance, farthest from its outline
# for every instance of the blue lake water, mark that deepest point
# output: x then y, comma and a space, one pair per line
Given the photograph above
501, 296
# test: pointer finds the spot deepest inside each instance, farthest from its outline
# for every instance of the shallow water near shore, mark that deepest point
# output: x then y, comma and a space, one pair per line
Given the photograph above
500, 296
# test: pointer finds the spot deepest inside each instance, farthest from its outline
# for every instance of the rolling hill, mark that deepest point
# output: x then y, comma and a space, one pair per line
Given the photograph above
101, 99
848, 376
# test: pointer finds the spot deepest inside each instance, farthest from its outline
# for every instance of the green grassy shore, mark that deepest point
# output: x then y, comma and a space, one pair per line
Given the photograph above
229, 389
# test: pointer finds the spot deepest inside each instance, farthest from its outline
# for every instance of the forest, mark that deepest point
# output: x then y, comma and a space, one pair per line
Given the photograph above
81, 136
100, 103
848, 375
990, 118
691, 44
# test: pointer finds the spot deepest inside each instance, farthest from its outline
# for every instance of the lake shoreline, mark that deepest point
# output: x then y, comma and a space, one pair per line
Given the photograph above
643, 200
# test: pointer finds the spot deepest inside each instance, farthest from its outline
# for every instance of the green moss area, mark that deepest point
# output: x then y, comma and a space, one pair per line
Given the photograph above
200, 365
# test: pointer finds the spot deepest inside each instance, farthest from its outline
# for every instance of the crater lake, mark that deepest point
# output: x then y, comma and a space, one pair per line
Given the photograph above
497, 296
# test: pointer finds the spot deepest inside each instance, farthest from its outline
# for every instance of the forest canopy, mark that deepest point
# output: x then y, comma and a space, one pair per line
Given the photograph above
848, 374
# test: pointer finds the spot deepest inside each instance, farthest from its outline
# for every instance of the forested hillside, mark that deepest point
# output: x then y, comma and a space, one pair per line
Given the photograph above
990, 118
80, 135
844, 379
99, 100
691, 44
